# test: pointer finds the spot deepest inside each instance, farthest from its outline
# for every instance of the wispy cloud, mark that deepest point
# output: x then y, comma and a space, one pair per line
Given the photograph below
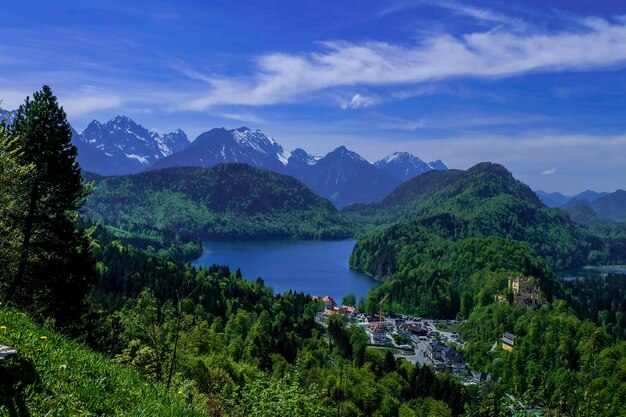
359, 101
548, 171
284, 78
480, 13
243, 117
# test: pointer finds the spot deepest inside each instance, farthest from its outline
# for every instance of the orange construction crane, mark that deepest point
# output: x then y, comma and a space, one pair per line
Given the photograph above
382, 301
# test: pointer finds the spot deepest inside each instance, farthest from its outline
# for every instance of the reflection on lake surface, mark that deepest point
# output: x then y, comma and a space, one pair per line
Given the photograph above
314, 267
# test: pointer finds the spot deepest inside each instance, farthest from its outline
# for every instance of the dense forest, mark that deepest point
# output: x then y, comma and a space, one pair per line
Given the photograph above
231, 200
486, 200
146, 333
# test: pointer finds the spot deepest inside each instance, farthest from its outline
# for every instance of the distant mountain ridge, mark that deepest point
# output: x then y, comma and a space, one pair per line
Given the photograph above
122, 146
127, 146
609, 206
560, 200
342, 176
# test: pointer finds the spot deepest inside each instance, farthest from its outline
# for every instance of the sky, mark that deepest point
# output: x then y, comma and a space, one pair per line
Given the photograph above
538, 86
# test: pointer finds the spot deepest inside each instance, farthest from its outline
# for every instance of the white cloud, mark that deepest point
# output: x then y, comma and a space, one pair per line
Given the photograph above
283, 78
548, 171
359, 101
479, 14
79, 104
244, 117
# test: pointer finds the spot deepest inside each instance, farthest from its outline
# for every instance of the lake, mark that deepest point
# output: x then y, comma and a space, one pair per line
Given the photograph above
592, 271
314, 267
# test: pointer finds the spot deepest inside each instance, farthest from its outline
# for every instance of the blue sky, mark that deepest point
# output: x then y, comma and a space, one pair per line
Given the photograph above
538, 86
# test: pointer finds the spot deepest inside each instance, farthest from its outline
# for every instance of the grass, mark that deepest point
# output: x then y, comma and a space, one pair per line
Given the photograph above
381, 351
54, 376
445, 327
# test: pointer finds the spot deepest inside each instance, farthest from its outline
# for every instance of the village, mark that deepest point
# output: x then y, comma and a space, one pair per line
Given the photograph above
432, 342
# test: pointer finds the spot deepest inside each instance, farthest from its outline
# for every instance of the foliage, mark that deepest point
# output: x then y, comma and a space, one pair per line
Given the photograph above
430, 276
230, 200
51, 373
485, 200
600, 299
557, 361
55, 269
14, 181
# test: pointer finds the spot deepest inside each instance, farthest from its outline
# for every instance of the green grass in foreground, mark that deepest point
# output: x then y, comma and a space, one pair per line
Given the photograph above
54, 376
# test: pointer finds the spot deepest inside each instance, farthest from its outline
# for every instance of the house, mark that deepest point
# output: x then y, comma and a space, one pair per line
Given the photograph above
348, 311
329, 302
403, 330
443, 357
436, 351
417, 330
379, 333
508, 341
481, 377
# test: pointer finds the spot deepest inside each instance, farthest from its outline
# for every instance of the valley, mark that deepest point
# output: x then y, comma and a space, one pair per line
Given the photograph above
375, 208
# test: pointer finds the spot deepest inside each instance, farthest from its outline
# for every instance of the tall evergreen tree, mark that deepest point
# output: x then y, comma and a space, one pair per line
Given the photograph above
55, 269
14, 180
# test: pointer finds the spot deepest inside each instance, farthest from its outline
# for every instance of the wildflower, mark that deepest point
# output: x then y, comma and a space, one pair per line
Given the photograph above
44, 338
3, 327
180, 392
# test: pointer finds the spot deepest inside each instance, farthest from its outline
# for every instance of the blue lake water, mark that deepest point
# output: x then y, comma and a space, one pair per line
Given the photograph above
592, 271
314, 267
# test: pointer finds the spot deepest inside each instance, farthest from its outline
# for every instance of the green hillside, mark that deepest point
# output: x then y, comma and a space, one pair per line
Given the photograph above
485, 200
52, 373
232, 200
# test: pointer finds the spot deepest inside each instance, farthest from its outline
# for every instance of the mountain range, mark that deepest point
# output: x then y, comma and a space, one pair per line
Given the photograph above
121, 146
561, 200
610, 206
342, 176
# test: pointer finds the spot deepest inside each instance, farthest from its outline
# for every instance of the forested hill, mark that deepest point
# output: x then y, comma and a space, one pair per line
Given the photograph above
485, 200
229, 200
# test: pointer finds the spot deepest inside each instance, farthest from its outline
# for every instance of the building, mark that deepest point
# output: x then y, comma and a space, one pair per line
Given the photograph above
410, 330
348, 311
508, 341
329, 302
481, 377
443, 356
525, 291
379, 333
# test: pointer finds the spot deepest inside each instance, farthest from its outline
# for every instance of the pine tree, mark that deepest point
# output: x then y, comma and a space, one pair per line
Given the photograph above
55, 269
14, 180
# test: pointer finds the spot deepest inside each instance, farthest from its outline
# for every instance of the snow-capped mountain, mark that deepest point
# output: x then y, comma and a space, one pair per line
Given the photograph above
342, 176
404, 165
300, 159
121, 146
125, 146
222, 145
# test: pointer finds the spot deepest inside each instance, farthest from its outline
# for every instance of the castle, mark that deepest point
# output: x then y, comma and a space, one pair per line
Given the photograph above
525, 291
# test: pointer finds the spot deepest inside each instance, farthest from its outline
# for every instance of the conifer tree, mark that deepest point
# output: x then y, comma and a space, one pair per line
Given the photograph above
14, 179
55, 269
